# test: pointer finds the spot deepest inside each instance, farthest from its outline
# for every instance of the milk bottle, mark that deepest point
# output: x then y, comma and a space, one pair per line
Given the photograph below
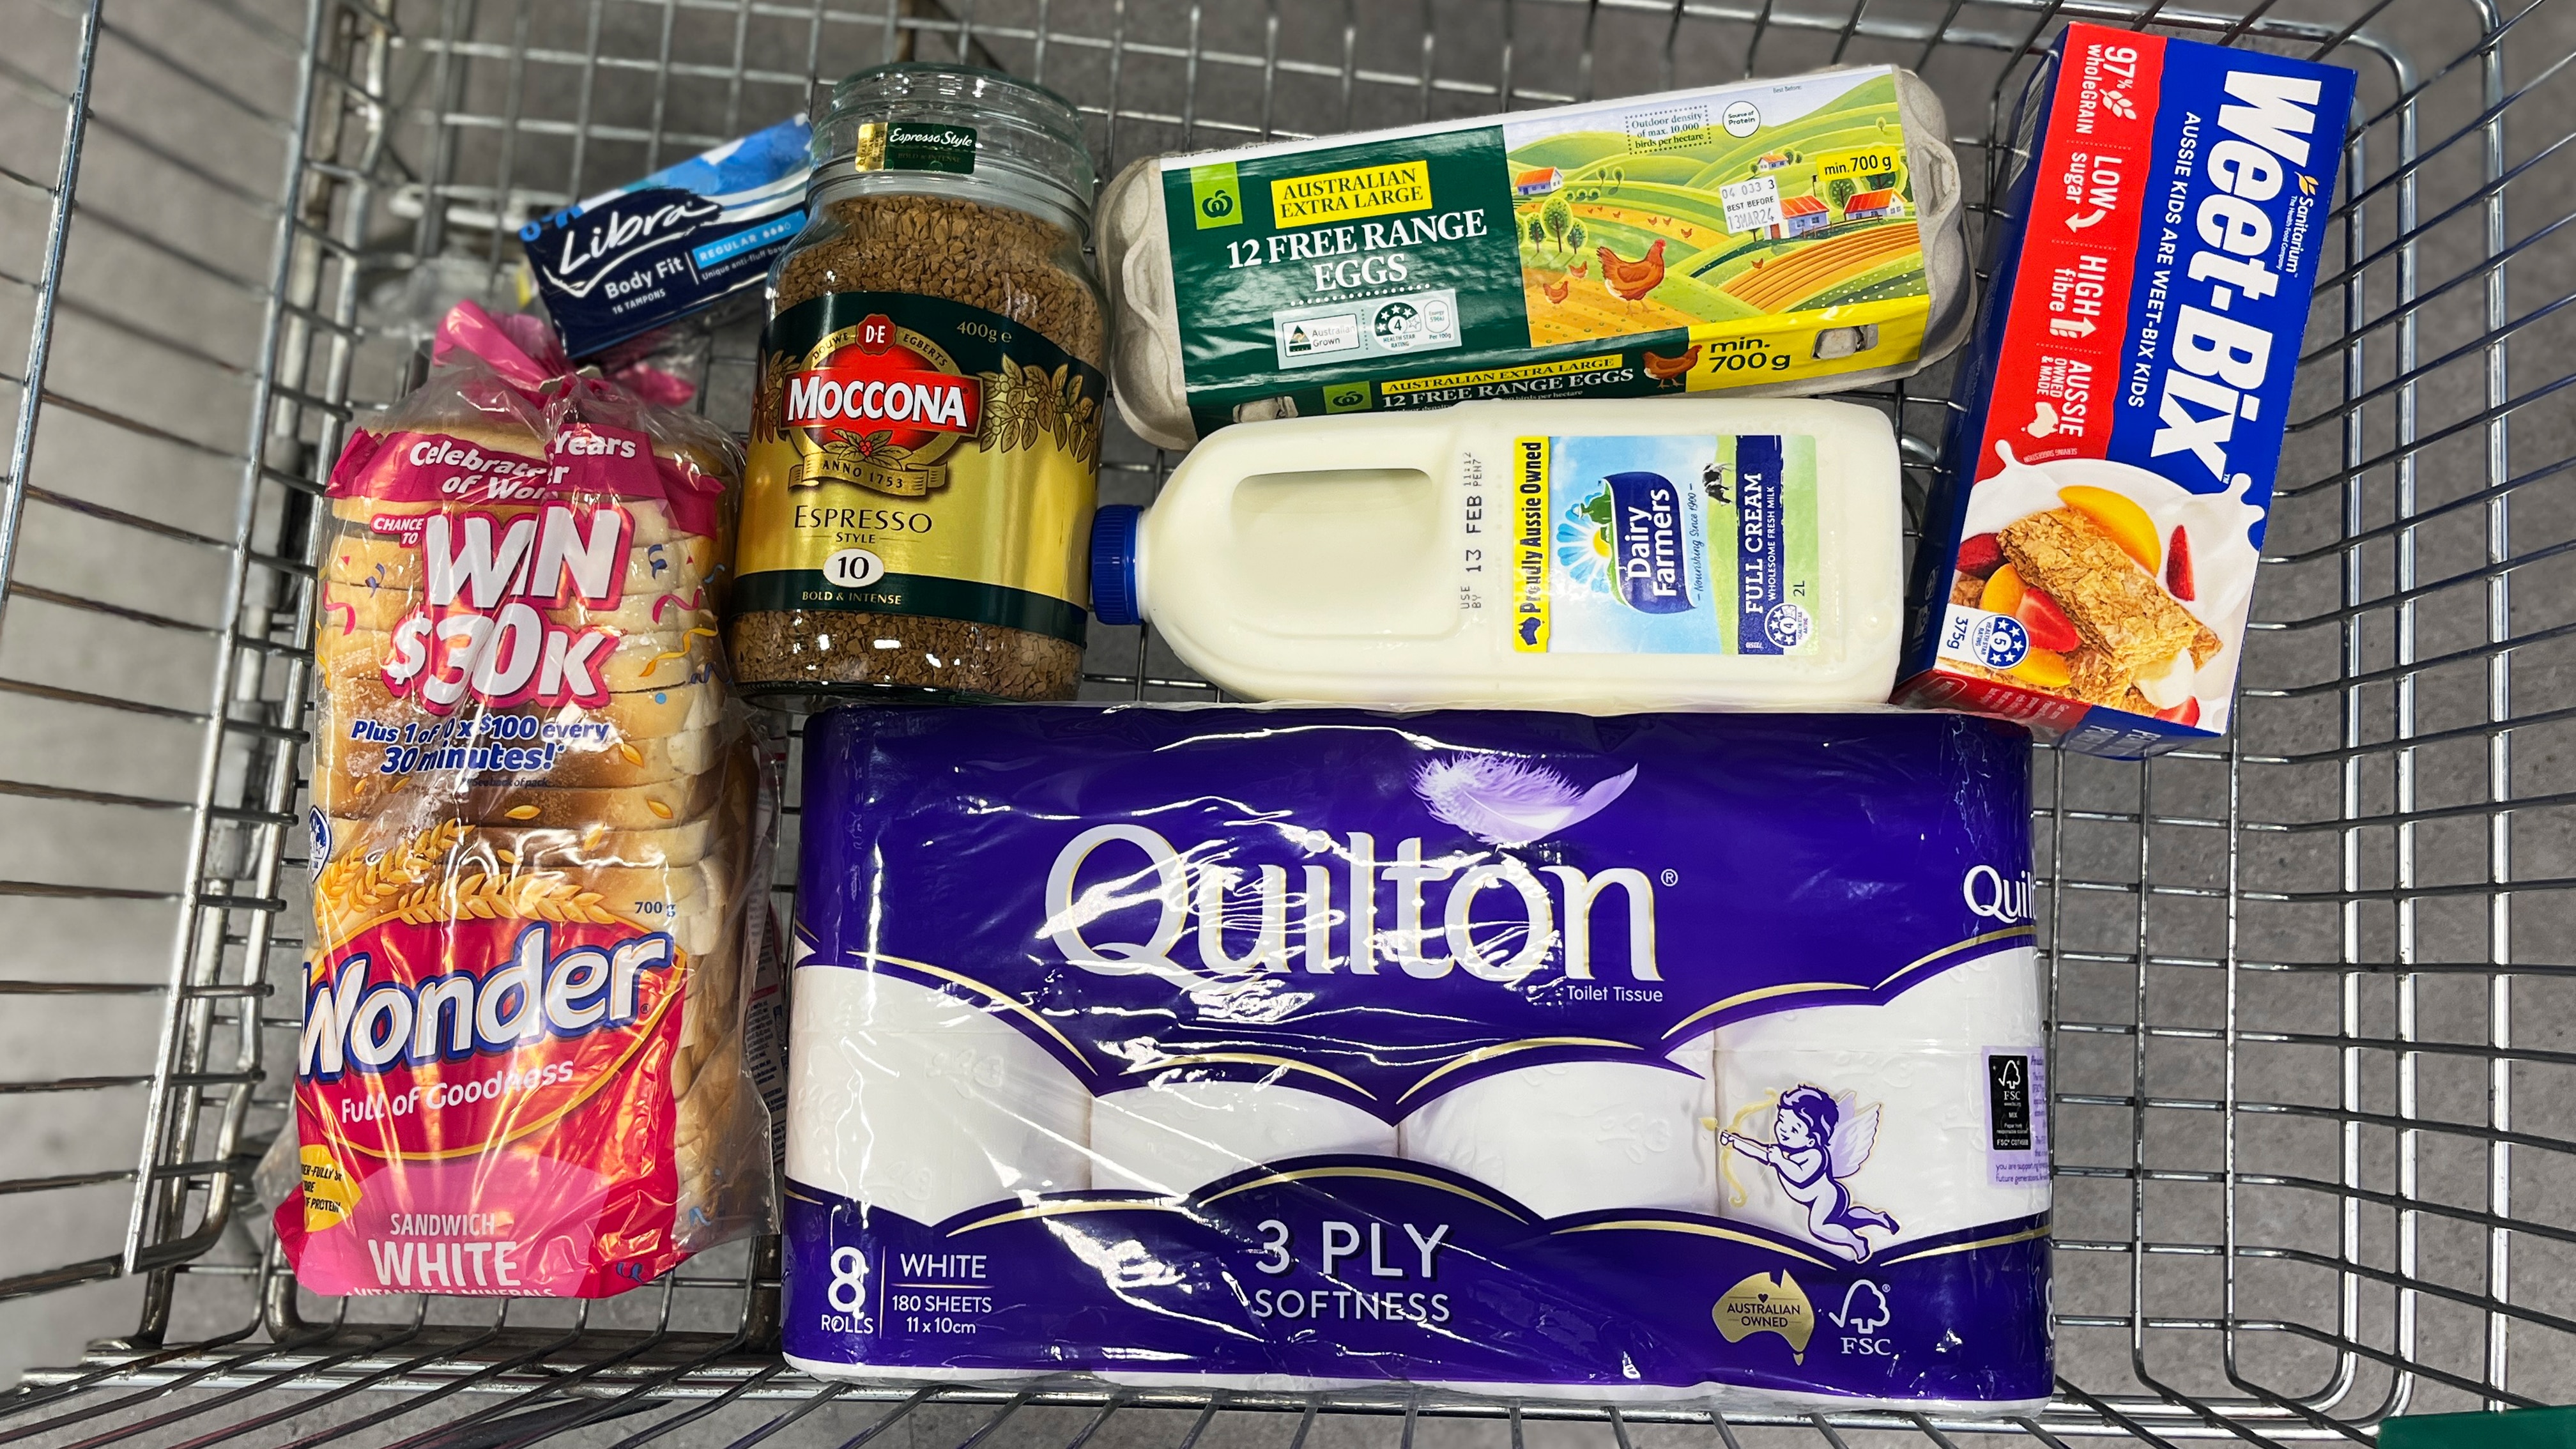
1601, 555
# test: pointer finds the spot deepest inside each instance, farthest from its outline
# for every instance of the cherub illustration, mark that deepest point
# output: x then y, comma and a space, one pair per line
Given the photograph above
1819, 1143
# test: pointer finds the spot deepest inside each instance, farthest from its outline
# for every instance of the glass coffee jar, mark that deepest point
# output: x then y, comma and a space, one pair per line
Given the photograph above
925, 444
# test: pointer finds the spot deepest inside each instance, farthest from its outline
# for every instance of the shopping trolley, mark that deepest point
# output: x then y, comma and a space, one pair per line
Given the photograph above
2310, 987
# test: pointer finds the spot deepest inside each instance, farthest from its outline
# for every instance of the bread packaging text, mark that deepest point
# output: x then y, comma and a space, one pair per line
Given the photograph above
538, 843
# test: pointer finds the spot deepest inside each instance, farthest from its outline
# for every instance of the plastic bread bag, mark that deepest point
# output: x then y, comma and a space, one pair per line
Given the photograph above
1775, 237
1687, 1058
540, 829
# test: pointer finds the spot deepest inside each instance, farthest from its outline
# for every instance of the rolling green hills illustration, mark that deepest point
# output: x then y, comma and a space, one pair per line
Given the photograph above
1611, 194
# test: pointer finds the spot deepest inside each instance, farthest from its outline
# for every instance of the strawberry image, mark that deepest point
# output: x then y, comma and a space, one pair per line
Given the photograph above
1979, 553
2185, 713
2178, 565
2048, 625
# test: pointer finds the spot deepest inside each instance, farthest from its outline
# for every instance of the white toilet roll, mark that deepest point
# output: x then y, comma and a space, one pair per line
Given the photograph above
903, 1098
1170, 1137
1954, 1071
1581, 1136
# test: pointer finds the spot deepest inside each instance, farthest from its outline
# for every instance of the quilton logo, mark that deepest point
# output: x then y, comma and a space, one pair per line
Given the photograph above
1122, 899
1996, 896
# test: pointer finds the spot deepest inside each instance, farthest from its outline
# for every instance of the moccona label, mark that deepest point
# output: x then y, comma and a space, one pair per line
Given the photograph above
878, 405
913, 455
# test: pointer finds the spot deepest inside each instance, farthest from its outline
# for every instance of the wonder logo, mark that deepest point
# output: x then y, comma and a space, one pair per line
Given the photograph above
426, 1039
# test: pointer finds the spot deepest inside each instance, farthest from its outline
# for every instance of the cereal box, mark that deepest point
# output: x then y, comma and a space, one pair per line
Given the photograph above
2090, 546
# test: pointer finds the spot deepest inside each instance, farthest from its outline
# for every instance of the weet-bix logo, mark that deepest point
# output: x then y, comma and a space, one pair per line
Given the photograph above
2219, 362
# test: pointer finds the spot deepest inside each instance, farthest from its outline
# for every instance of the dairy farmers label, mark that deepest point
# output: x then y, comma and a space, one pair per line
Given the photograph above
911, 455
1663, 244
1688, 544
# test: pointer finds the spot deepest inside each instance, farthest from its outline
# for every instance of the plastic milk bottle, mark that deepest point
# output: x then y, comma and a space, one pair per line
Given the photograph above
1603, 555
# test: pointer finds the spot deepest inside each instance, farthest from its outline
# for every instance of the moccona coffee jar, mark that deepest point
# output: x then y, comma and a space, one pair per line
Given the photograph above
926, 440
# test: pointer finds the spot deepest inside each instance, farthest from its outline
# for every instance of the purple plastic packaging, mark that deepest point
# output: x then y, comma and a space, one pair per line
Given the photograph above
1684, 1057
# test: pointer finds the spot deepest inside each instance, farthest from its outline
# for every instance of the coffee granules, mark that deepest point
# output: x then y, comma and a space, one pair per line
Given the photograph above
926, 437
935, 246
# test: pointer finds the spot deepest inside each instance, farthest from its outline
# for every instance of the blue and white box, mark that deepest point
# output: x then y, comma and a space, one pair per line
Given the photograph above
674, 243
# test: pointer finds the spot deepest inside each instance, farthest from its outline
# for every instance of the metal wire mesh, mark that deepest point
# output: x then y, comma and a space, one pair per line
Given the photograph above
2310, 988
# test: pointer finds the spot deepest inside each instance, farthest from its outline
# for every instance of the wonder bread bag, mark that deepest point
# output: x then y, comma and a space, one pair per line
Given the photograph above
539, 844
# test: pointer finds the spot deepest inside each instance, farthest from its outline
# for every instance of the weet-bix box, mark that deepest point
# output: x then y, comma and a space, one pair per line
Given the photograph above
674, 243
2090, 545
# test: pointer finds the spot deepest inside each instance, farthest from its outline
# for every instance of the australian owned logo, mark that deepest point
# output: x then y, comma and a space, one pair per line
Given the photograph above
1400, 909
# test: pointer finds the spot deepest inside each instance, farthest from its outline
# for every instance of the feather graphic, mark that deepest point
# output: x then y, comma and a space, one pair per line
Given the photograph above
1508, 802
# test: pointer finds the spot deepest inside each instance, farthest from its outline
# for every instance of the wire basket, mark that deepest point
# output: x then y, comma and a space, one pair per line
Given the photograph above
2311, 1077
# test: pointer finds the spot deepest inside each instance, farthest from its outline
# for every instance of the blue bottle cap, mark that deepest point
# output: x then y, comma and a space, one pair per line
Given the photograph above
1113, 563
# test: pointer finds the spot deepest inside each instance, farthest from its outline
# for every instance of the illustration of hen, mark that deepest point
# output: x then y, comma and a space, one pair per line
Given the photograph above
1631, 281
1556, 292
1665, 369
1579, 269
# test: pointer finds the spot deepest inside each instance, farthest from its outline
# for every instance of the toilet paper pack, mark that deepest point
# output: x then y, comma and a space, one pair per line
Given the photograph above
1174, 1133
1539, 1055
1962, 1053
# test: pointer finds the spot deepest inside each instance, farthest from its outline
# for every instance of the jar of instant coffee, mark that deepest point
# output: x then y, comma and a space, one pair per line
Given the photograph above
925, 445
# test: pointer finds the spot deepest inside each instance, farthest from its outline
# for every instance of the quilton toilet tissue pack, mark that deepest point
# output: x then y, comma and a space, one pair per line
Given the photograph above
1658, 1057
